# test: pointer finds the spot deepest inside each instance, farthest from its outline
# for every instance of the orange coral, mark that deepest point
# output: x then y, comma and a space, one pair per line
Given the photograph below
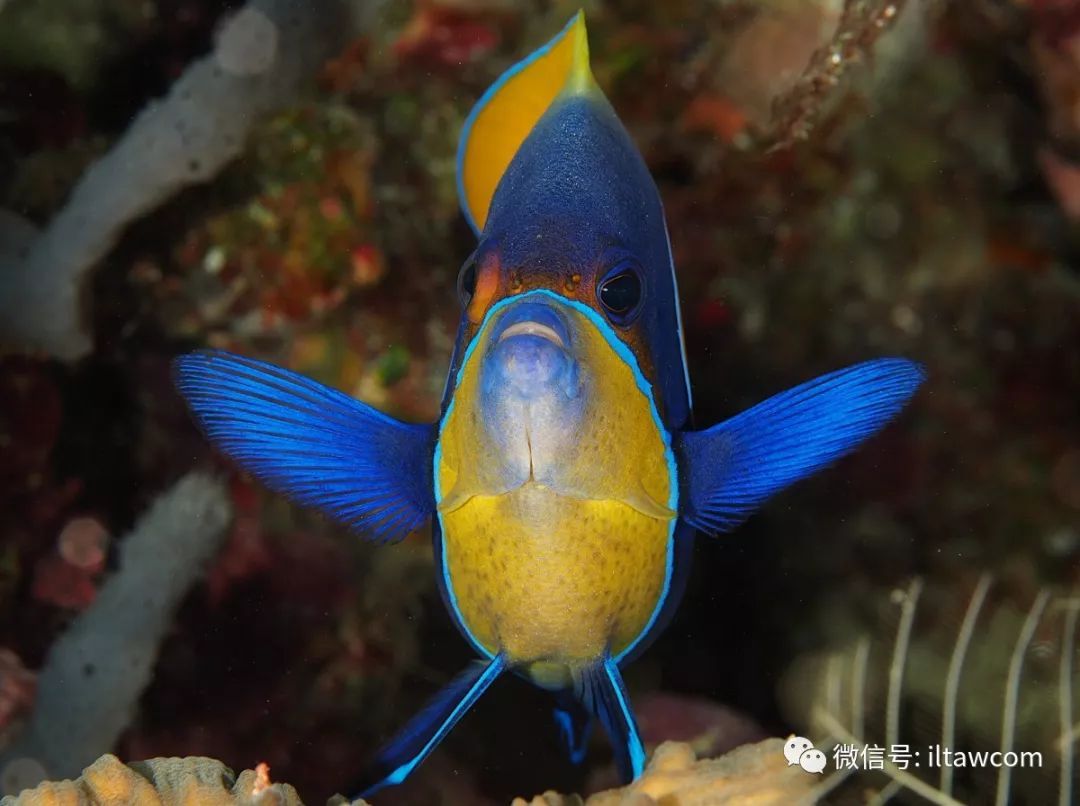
754, 774
160, 782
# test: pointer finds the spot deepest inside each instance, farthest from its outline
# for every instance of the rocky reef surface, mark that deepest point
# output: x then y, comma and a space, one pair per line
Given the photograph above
752, 775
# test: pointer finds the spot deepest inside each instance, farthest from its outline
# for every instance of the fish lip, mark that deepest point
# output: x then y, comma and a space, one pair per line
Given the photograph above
530, 327
534, 318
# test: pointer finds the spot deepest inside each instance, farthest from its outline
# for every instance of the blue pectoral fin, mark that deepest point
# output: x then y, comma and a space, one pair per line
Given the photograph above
574, 724
317, 445
727, 471
424, 731
600, 688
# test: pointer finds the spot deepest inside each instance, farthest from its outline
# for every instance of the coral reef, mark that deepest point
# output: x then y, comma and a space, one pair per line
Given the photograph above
76, 46
96, 672
754, 774
930, 681
159, 782
709, 728
264, 53
861, 23
923, 203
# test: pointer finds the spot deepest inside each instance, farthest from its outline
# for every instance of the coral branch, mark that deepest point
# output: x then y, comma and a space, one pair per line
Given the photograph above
96, 672
952, 680
263, 56
861, 24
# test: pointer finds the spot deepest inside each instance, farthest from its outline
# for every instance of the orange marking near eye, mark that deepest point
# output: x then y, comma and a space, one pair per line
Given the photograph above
487, 286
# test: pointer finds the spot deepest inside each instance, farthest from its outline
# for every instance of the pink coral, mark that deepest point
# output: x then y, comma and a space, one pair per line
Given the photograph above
445, 37
58, 582
244, 556
18, 687
83, 542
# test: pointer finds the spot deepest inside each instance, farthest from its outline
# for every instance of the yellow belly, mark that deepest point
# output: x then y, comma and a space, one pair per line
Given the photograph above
555, 580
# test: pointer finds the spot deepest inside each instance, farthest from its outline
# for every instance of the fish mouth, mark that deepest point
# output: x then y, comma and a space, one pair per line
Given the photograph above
533, 318
531, 328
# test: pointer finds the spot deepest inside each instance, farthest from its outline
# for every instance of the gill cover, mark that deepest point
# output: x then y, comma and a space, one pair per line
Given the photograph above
508, 111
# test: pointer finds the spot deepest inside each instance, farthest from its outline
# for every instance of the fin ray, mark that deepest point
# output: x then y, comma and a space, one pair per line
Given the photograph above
429, 727
317, 445
730, 469
600, 689
574, 723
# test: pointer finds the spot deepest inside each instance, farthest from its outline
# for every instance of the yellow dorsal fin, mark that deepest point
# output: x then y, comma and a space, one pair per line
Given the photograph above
504, 116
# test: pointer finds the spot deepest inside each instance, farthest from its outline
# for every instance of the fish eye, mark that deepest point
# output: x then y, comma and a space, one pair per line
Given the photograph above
466, 282
620, 293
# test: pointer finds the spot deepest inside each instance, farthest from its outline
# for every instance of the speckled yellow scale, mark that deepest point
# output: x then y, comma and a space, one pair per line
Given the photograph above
543, 577
554, 578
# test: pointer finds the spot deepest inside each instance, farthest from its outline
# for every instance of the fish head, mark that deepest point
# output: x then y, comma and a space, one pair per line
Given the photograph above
549, 396
562, 201
568, 358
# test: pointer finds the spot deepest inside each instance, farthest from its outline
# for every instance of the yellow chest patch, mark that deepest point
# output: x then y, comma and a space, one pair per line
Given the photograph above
554, 578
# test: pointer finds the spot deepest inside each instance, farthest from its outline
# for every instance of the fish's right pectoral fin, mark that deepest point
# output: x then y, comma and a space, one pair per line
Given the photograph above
314, 444
727, 471
424, 732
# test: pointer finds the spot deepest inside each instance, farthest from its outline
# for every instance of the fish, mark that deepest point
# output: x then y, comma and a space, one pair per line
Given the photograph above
564, 480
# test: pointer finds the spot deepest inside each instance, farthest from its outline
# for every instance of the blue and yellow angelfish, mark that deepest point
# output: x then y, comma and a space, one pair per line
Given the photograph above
564, 486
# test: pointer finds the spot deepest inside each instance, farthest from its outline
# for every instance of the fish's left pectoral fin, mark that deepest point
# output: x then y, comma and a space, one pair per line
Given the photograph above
727, 471
424, 732
600, 689
314, 444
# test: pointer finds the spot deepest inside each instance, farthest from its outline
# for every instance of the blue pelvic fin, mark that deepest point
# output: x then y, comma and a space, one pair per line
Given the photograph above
728, 470
312, 443
575, 724
600, 688
424, 731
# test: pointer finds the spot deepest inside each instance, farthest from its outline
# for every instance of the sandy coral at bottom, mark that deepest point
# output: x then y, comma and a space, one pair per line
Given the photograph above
754, 774
190, 781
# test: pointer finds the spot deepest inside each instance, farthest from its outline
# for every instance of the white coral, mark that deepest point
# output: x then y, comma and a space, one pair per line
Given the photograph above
96, 672
264, 56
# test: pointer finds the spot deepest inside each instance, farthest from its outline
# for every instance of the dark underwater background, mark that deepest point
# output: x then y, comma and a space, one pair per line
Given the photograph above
842, 180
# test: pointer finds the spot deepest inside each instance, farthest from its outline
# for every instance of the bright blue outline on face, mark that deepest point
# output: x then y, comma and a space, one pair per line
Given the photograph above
466, 130
678, 311
627, 355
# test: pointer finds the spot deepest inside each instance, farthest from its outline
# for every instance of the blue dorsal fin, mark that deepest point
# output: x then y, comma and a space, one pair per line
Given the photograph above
727, 471
429, 727
501, 120
312, 443
600, 689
